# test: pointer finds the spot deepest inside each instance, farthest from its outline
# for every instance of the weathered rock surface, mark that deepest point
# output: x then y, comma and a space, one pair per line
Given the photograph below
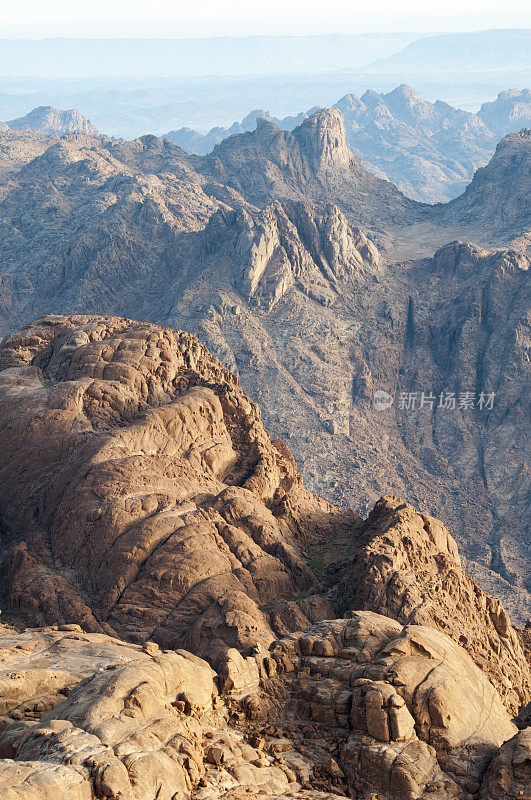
360, 705
407, 566
509, 773
421, 719
141, 496
156, 505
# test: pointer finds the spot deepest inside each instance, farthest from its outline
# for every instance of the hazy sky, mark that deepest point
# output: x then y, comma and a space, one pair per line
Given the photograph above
170, 18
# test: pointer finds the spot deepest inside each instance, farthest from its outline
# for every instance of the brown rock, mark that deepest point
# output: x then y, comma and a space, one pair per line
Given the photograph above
333, 769
142, 441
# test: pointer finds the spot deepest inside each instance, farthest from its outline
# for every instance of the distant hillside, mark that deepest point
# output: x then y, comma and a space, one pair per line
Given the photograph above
222, 55
510, 112
495, 49
52, 121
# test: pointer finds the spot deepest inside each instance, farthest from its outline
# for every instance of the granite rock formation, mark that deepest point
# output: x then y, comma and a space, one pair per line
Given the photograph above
359, 706
171, 515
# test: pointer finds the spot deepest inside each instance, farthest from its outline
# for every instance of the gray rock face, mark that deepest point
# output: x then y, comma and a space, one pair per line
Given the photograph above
312, 162
499, 193
429, 150
51, 121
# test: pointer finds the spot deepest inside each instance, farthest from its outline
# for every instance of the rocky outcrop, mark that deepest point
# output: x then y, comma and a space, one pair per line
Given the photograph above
156, 505
194, 142
143, 510
360, 705
51, 121
509, 772
312, 162
419, 719
307, 245
406, 566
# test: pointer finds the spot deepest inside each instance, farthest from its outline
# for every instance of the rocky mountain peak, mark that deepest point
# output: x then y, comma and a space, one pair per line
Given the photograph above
52, 121
323, 137
406, 93
307, 246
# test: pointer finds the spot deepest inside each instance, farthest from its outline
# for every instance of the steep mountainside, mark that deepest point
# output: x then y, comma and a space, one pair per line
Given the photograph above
300, 301
312, 162
429, 150
499, 193
53, 122
509, 112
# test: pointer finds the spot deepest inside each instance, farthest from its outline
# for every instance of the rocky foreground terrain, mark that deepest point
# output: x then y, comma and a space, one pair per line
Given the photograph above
207, 627
429, 150
317, 284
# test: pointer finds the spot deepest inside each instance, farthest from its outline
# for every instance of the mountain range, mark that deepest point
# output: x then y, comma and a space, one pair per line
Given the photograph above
429, 150
131, 87
317, 283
